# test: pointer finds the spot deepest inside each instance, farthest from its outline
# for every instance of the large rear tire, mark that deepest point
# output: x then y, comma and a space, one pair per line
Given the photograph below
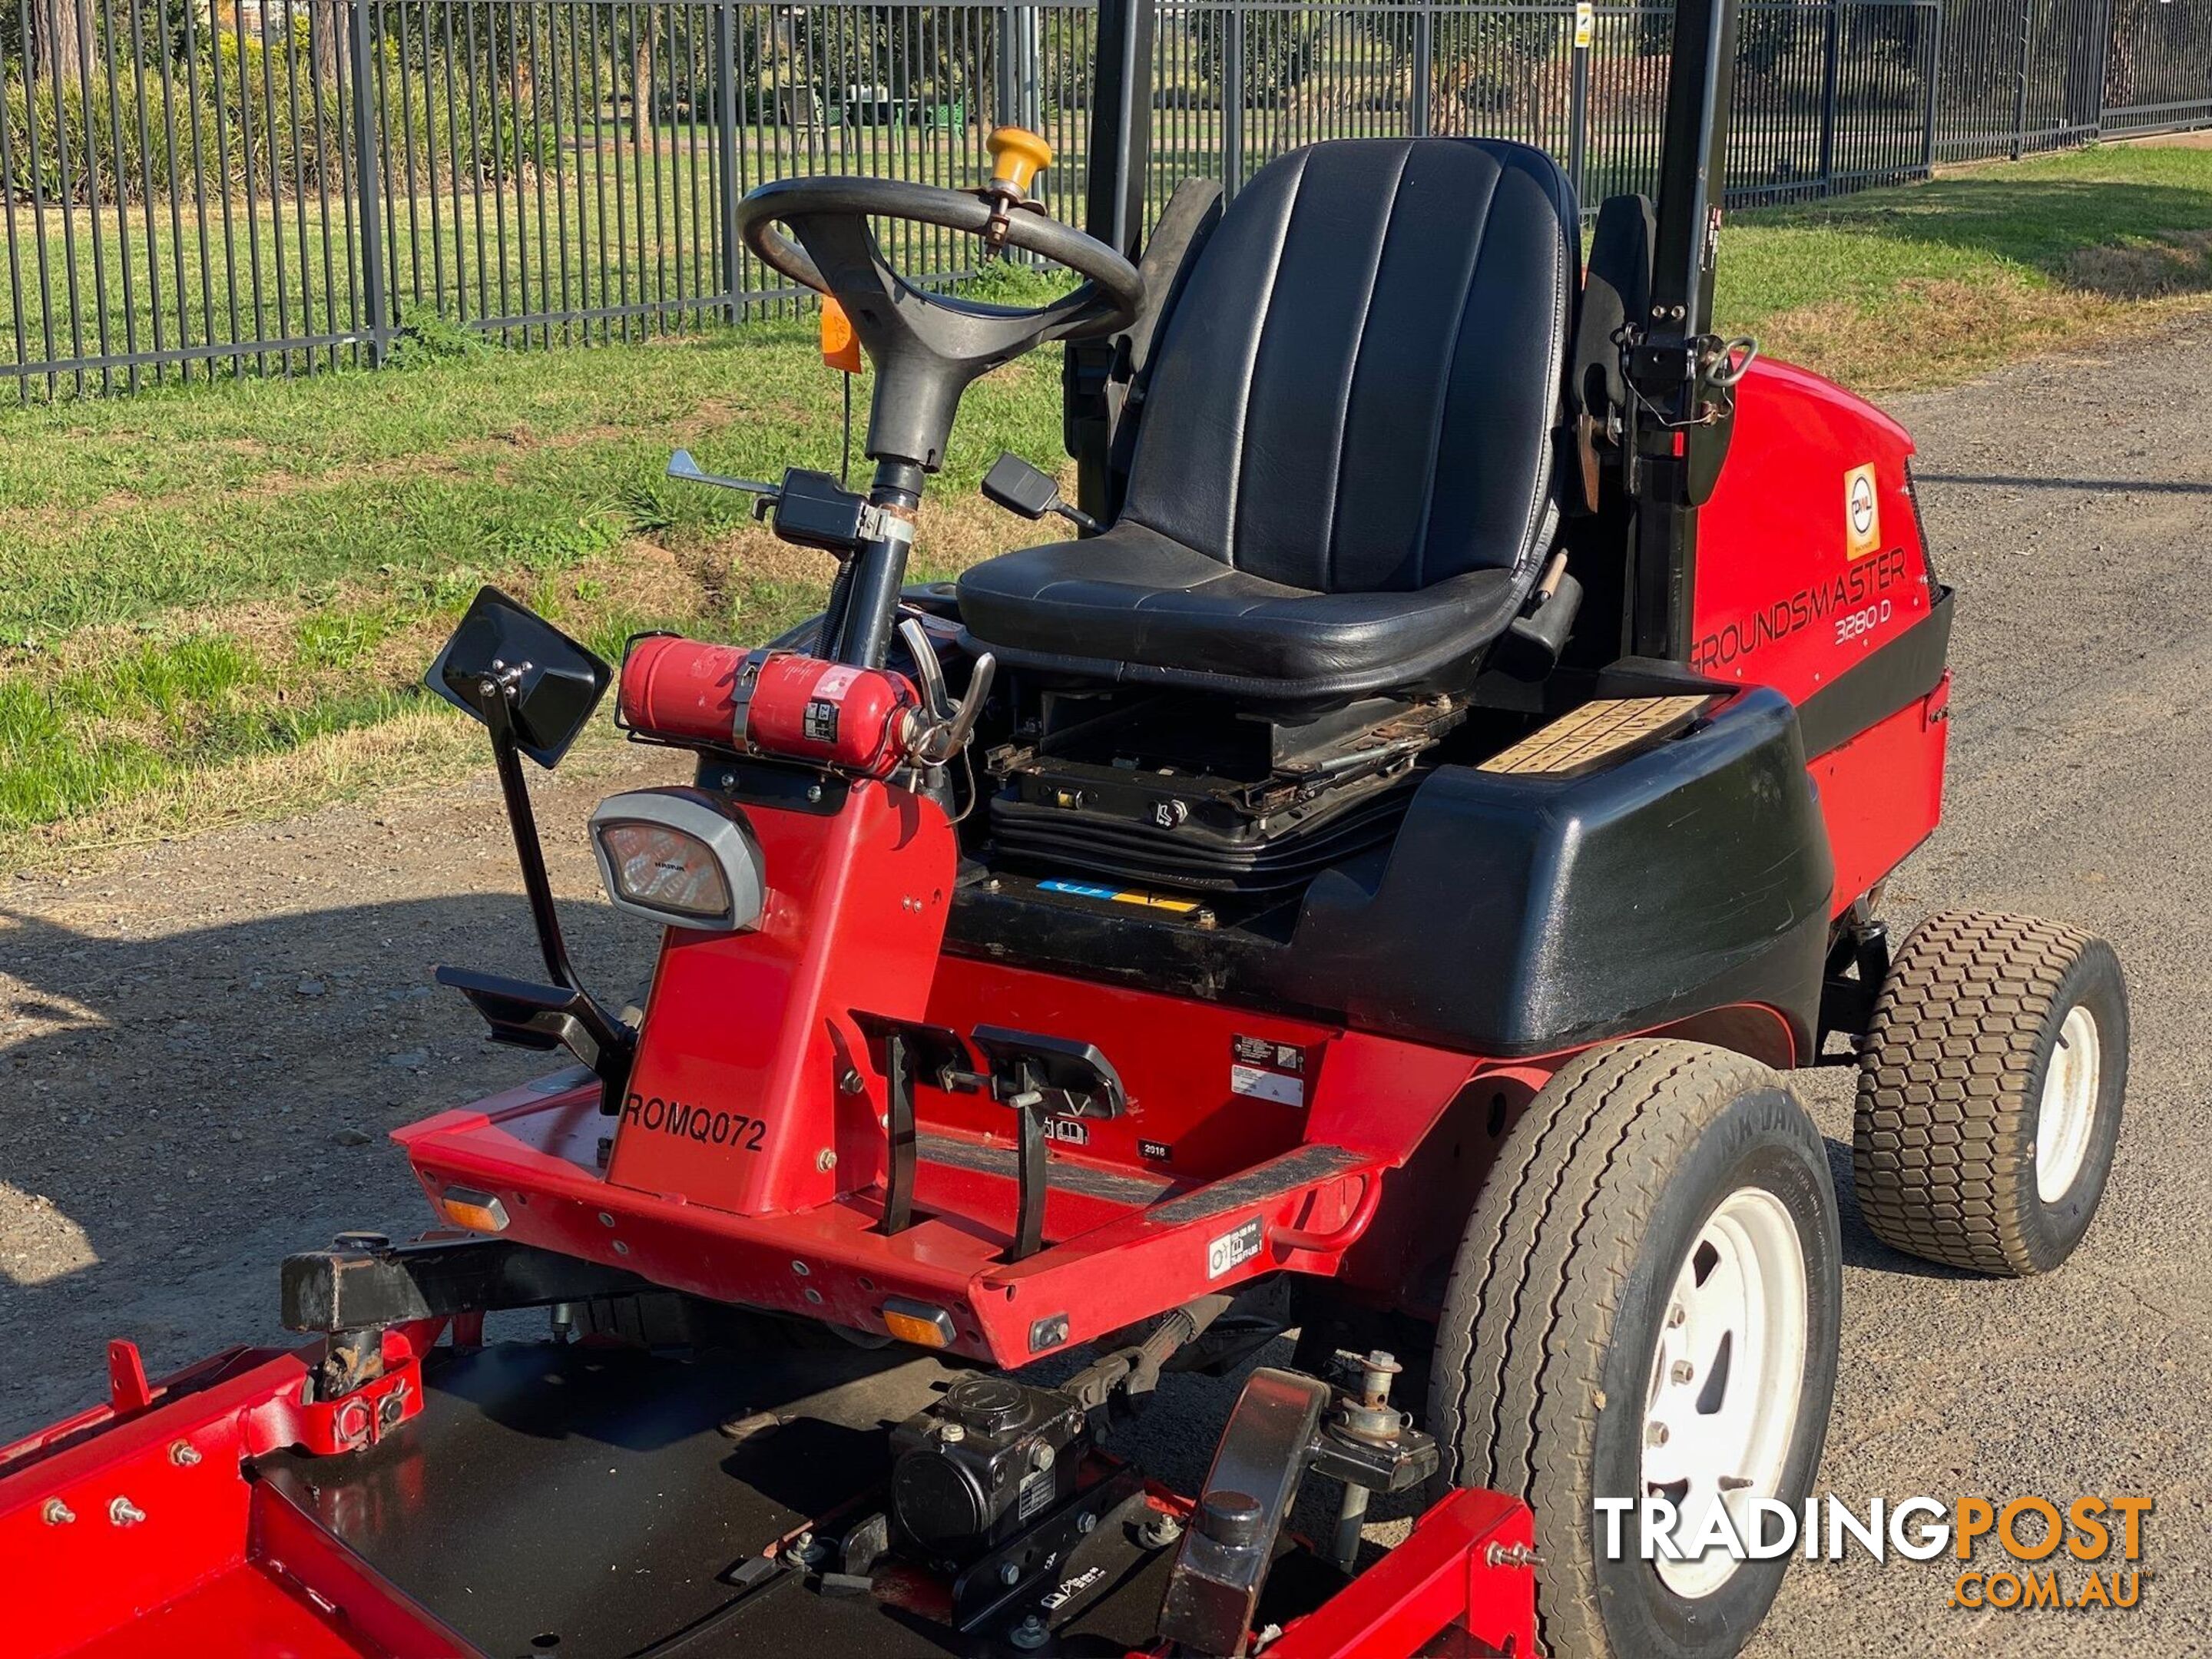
1645, 1303
1990, 1091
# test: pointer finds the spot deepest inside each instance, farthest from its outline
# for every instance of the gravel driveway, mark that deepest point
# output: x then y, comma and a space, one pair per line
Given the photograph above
202, 1044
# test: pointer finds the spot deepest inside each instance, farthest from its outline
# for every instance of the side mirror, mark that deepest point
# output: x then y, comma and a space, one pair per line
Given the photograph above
533, 688
519, 675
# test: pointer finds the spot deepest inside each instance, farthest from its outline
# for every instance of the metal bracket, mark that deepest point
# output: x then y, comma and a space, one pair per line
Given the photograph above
362, 1284
988, 1588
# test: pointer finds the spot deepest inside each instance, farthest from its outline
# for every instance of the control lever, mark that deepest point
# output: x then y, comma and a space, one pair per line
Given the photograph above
1027, 491
947, 738
950, 724
681, 465
926, 669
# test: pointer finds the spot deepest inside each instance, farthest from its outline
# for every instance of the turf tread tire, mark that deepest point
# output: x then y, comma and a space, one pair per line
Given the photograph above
1943, 1134
1555, 1234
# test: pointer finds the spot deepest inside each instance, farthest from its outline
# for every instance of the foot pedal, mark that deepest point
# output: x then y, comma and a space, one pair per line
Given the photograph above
1043, 1078
903, 1050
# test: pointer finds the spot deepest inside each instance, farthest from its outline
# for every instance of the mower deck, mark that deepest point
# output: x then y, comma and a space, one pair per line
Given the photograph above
601, 1499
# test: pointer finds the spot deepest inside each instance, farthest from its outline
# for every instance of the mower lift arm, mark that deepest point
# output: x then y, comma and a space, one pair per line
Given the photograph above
1281, 1428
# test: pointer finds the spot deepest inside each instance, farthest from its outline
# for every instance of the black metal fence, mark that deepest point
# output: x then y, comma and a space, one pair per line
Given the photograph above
200, 187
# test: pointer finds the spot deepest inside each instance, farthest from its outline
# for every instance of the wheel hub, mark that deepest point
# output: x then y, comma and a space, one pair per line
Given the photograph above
1726, 1379
2068, 1111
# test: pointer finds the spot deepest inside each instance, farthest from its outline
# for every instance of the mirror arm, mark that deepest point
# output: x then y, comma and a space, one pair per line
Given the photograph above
507, 757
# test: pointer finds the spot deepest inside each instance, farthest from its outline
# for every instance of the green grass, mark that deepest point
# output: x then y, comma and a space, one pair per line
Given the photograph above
1898, 288
198, 583
191, 578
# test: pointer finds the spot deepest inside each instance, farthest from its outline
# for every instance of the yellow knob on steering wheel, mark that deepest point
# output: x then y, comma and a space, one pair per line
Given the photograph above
1017, 155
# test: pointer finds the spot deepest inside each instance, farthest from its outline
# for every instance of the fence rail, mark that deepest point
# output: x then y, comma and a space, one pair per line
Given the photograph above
195, 188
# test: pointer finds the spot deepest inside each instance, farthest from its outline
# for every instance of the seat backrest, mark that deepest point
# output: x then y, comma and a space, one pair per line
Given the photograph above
1358, 389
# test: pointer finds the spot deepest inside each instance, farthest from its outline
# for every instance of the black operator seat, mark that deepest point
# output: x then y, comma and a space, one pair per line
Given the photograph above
1343, 479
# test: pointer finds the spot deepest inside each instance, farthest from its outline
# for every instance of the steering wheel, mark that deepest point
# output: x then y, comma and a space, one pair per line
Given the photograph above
927, 347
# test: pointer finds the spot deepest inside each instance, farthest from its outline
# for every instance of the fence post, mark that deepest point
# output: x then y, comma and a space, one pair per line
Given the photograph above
368, 194
1935, 91
2020, 96
1424, 57
1005, 92
2104, 61
1579, 101
1233, 103
1832, 75
725, 151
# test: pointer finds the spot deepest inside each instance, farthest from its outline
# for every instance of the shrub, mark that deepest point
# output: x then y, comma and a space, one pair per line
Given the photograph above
245, 110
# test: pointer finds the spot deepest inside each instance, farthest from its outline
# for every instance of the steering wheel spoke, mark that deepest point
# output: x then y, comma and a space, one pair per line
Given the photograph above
928, 346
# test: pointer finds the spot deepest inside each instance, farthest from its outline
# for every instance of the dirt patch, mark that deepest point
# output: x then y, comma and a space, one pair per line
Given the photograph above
2176, 262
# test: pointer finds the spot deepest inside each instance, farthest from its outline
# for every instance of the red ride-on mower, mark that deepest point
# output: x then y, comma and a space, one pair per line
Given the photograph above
1370, 882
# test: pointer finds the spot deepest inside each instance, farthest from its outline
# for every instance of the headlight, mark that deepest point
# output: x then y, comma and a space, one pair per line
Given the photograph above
679, 857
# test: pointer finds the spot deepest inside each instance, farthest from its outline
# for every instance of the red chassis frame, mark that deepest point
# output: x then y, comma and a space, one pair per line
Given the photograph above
151, 1533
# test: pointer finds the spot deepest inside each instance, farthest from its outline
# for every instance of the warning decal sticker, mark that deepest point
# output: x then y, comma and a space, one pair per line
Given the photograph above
1861, 512
1233, 1250
1266, 1070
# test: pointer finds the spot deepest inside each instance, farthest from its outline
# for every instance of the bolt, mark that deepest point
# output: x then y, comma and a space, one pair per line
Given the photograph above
1030, 1634
1086, 1524
57, 1513
825, 1160
184, 1454
1680, 1371
814, 794
1656, 1435
1675, 1315
125, 1513
850, 1081
950, 1434
1042, 1459
1009, 1574
1515, 1555
1159, 1532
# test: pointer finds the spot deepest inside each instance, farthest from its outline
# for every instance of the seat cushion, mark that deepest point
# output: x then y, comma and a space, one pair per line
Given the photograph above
1136, 606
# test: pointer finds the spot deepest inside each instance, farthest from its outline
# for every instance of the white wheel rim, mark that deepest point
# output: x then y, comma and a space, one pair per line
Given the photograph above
2068, 1110
1726, 1378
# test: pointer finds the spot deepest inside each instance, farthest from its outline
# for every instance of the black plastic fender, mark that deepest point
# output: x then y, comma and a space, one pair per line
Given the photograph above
1521, 914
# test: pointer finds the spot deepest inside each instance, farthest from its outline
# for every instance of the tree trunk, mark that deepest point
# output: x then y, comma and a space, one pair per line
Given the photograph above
330, 20
60, 46
640, 88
